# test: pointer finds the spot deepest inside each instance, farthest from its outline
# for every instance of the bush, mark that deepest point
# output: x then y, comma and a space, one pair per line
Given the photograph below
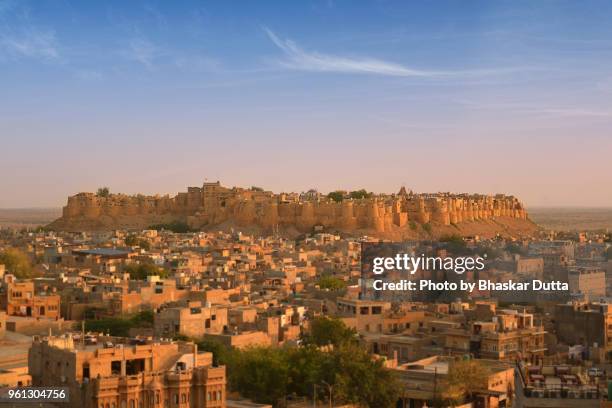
103, 192
142, 270
17, 263
359, 194
456, 245
133, 240
179, 227
331, 283
118, 326
337, 196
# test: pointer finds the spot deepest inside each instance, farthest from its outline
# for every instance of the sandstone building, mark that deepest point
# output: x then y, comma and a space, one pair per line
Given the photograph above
212, 205
104, 372
21, 299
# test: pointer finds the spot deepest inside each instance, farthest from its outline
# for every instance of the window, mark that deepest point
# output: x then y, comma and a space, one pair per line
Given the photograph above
134, 366
115, 367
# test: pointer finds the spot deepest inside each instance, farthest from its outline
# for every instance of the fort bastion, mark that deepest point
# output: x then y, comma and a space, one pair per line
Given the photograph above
213, 204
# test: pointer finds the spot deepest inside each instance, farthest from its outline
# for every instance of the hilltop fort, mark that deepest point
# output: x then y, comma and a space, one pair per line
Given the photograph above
404, 214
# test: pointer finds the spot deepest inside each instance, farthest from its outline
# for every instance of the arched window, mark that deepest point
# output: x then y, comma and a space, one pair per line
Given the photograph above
219, 395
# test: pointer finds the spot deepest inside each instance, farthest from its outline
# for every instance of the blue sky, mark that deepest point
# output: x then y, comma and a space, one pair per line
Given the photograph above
479, 96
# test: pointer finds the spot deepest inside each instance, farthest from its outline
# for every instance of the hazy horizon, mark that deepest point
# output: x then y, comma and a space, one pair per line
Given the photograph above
152, 97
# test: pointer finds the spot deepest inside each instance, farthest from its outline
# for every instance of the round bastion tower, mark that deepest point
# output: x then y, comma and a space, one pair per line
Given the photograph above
347, 219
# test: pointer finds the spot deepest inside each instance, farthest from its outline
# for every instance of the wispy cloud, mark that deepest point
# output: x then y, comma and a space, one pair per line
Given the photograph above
297, 58
20, 37
30, 43
142, 51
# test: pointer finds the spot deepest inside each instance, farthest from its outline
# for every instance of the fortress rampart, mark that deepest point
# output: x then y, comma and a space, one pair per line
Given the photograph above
213, 204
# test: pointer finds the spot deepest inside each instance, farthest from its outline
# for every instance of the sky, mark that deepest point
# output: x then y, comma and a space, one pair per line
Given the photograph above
152, 97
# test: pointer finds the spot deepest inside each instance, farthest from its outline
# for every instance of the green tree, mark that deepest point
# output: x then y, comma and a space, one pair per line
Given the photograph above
456, 245
142, 270
178, 227
331, 283
260, 373
465, 378
103, 192
268, 374
356, 378
133, 240
328, 331
337, 196
118, 326
221, 353
359, 194
305, 369
17, 263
